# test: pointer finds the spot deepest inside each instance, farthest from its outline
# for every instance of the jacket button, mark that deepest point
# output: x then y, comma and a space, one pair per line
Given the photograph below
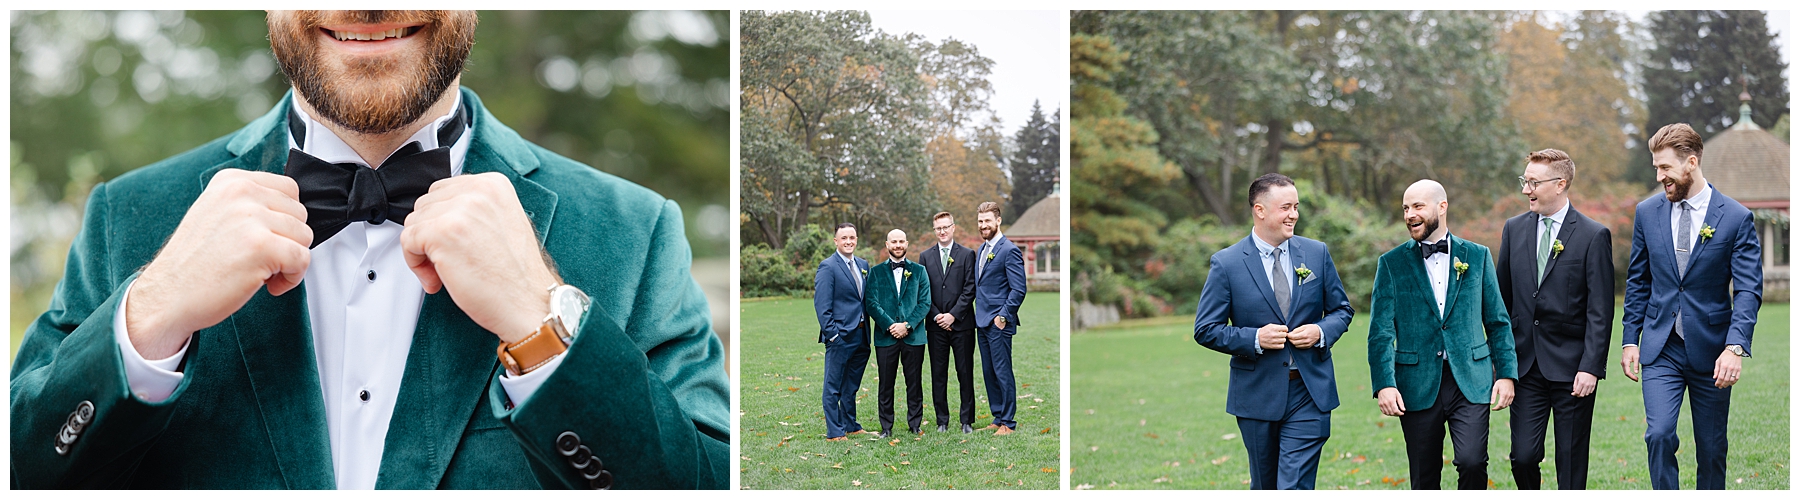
603, 482
567, 443
1534, 322
1446, 327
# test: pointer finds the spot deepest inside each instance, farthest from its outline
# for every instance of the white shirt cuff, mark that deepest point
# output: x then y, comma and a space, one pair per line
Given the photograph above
150, 380
1629, 345
520, 388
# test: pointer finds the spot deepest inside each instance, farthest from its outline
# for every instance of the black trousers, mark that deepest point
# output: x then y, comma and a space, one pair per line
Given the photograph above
1424, 431
1537, 399
943, 343
887, 360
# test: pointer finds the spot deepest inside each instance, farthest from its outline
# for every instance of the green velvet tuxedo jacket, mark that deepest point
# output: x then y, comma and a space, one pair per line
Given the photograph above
886, 306
1407, 332
643, 385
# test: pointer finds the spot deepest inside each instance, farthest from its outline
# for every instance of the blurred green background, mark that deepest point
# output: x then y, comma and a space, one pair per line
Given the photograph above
641, 95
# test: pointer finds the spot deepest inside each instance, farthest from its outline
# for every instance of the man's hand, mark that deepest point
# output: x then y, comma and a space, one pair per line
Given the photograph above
246, 230
1000, 322
1272, 336
1306, 336
944, 320
1727, 369
1628, 360
469, 234
897, 330
1503, 394
1389, 399
1584, 384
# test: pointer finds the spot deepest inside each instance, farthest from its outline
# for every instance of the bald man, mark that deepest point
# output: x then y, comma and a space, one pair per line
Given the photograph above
897, 300
1440, 343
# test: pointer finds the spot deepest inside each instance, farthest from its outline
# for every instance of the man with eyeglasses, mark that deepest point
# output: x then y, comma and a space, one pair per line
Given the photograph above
1556, 276
1273, 302
950, 324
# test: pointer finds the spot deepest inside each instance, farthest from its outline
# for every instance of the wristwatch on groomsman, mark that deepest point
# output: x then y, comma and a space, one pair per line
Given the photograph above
567, 305
1738, 350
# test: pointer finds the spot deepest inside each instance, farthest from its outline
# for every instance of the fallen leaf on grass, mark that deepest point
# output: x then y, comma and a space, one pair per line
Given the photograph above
905, 462
1221, 459
1048, 470
1228, 436
1045, 431
892, 468
895, 442
1009, 466
1163, 479
1359, 459
793, 389
838, 465
856, 483
1151, 435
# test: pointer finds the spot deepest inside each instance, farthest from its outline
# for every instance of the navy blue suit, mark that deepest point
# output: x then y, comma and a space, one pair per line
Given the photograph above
1284, 419
999, 289
1717, 298
844, 329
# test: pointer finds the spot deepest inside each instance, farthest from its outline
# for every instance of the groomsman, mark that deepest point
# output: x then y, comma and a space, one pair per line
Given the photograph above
1274, 303
1691, 295
1440, 344
999, 289
844, 329
896, 298
950, 323
1556, 274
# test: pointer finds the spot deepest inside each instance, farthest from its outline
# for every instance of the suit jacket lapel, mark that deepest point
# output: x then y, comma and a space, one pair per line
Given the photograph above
1416, 266
1253, 261
1295, 297
1563, 233
1459, 252
1661, 236
1713, 213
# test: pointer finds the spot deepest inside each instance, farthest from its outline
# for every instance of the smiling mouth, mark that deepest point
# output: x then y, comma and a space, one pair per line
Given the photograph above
350, 36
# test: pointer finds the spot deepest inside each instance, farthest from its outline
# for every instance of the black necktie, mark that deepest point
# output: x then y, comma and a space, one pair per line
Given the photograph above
337, 194
1426, 249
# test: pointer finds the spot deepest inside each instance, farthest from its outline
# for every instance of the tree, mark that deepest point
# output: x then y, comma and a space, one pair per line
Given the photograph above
1566, 83
1036, 160
1702, 60
1115, 163
840, 122
963, 177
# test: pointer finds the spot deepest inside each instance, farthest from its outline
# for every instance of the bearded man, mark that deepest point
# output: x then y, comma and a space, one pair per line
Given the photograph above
375, 285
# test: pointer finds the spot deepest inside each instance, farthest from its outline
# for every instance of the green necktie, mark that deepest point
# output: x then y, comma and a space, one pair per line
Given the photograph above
1544, 249
944, 259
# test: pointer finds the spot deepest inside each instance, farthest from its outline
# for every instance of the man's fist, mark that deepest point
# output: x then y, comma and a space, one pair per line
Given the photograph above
944, 320
1389, 400
1272, 336
1727, 369
246, 230
470, 235
1306, 336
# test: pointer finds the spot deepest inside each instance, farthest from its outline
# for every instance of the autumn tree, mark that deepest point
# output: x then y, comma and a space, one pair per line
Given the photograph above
1568, 90
1114, 163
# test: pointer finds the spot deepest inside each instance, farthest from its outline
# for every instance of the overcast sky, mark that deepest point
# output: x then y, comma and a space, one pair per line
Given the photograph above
1029, 49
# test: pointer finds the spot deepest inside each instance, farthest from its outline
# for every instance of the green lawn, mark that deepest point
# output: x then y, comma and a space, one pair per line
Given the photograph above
1149, 412
782, 428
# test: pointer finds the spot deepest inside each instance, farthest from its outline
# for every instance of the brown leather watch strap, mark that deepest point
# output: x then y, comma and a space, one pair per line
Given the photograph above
531, 352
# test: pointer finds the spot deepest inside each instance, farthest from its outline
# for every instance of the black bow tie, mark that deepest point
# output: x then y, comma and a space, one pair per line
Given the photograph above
1426, 249
896, 265
337, 194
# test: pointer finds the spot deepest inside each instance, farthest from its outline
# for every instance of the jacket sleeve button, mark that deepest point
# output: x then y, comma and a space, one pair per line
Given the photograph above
567, 443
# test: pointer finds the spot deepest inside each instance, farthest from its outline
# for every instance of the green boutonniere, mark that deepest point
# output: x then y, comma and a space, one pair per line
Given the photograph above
1461, 267
1302, 272
990, 255
1556, 248
865, 272
953, 260
909, 274
1705, 232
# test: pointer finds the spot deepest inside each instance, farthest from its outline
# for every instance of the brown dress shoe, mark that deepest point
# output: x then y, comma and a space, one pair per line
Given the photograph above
1003, 431
858, 431
839, 438
990, 427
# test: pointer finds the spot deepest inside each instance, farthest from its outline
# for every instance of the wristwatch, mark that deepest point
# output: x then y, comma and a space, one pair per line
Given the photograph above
1738, 350
567, 305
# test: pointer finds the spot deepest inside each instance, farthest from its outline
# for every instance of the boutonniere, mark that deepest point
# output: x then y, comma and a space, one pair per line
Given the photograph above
865, 272
1556, 248
909, 274
990, 255
1303, 273
1705, 232
1461, 267
953, 260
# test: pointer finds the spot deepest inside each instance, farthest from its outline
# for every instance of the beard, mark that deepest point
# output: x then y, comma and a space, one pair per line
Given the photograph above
897, 254
1683, 186
372, 94
1427, 228
987, 234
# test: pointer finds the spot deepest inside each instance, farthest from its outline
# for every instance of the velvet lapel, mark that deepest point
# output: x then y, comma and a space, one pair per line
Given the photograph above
1253, 261
1712, 220
274, 337
452, 358
1562, 234
1459, 251
1416, 266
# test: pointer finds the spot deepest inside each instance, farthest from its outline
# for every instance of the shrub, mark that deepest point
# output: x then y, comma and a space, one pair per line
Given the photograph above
766, 272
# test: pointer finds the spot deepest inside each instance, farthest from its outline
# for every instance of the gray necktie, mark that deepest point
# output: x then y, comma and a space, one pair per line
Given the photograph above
981, 261
1684, 231
1280, 282
855, 274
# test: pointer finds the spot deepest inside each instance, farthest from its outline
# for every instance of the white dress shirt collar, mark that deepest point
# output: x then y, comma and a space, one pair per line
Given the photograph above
325, 145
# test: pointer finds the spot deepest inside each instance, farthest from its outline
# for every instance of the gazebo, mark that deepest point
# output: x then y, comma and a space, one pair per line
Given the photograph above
1038, 232
1750, 165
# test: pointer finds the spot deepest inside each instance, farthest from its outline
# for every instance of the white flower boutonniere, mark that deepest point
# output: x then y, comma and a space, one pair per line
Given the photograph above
953, 260
1303, 273
909, 274
990, 255
865, 272
1705, 232
1556, 248
1460, 266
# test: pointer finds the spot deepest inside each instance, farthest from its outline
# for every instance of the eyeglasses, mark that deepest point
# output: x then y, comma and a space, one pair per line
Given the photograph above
1533, 185
945, 228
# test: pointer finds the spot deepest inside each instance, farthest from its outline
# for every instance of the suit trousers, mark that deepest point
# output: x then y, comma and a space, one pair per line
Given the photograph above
943, 343
888, 359
1424, 432
1536, 399
1285, 454
1665, 379
996, 364
844, 366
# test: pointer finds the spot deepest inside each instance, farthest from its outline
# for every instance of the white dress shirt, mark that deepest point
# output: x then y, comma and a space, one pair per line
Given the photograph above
1437, 267
1556, 222
1699, 200
362, 329
1267, 253
897, 275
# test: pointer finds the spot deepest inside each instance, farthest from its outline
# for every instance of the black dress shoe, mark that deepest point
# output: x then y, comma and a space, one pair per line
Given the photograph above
884, 434
943, 427
967, 429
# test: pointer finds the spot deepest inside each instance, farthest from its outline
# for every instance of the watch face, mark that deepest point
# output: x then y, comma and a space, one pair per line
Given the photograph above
568, 303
